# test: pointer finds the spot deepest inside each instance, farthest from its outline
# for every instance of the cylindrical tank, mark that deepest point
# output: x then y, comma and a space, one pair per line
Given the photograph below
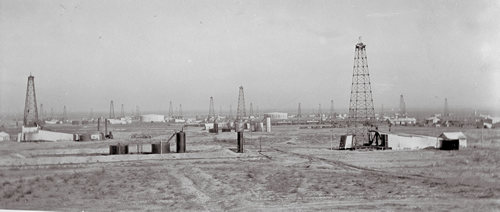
181, 141
76, 137
99, 124
155, 148
240, 142
113, 149
160, 148
165, 146
268, 124
106, 127
216, 127
84, 137
122, 149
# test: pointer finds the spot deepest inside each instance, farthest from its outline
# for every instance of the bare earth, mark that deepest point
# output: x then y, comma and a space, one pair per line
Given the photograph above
296, 171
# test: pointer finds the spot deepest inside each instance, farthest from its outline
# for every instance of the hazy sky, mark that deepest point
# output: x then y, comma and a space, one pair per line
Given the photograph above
85, 53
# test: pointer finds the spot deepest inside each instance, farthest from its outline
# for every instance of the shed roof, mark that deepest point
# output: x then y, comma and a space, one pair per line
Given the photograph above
4, 134
452, 135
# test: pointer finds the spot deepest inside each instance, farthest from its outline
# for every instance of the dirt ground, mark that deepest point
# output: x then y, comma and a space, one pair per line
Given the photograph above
295, 171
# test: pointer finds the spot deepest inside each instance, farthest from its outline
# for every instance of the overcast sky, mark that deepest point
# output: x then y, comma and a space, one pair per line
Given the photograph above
85, 53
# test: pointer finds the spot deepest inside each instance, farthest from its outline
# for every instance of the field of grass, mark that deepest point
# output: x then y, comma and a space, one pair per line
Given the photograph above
296, 171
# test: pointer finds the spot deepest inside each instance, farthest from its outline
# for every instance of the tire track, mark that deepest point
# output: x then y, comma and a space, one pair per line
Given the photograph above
359, 168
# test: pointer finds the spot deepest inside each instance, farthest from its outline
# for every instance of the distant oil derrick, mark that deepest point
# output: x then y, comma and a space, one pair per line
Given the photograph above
64, 115
42, 113
320, 113
241, 113
180, 111
402, 106
30, 107
361, 110
170, 110
332, 115
446, 110
211, 111
251, 109
299, 112
122, 113
111, 110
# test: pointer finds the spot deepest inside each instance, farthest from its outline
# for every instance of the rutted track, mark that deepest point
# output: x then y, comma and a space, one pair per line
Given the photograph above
357, 168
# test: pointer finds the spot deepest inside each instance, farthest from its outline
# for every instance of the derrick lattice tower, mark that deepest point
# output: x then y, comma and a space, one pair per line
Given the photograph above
320, 113
65, 114
111, 110
170, 110
211, 110
446, 110
180, 111
241, 112
122, 113
332, 115
361, 110
42, 113
30, 107
402, 106
299, 112
251, 109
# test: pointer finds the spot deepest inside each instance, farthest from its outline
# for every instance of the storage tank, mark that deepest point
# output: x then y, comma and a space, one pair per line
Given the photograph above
240, 142
181, 142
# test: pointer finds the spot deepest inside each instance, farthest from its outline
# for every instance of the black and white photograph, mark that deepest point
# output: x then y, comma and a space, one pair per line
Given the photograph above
250, 105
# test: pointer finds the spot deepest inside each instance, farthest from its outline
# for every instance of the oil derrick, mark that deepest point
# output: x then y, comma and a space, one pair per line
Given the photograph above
257, 112
402, 106
382, 111
299, 112
30, 107
332, 115
241, 113
64, 115
122, 113
211, 112
319, 111
251, 109
361, 110
170, 110
230, 111
180, 111
446, 111
42, 114
220, 111
111, 110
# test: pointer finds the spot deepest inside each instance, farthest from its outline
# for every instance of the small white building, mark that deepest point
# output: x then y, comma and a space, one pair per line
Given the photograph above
276, 115
403, 121
36, 134
4, 136
152, 118
452, 140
